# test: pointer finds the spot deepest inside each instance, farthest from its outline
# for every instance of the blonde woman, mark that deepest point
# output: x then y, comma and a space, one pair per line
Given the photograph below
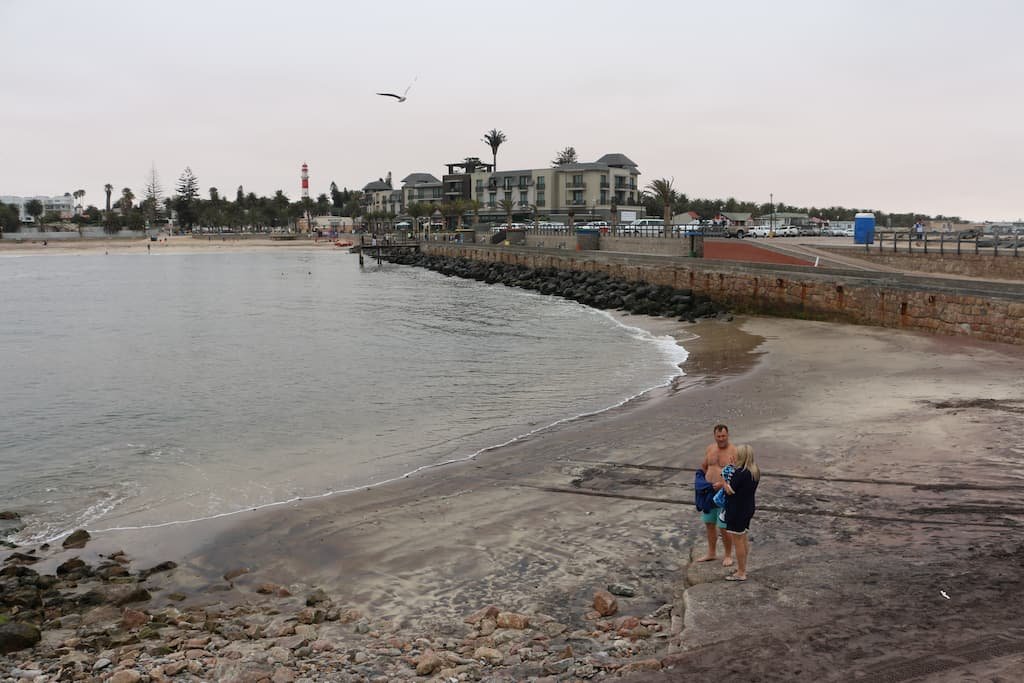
739, 507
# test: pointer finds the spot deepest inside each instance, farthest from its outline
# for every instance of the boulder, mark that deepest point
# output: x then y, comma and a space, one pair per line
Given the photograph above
605, 603
77, 539
16, 636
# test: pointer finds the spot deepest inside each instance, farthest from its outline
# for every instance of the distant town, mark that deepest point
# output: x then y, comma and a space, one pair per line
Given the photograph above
472, 192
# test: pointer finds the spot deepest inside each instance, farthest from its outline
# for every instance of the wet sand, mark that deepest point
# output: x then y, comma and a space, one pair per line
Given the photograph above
893, 470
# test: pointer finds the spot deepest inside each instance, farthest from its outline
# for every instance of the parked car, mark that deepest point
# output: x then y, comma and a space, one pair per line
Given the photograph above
644, 226
809, 231
761, 231
787, 231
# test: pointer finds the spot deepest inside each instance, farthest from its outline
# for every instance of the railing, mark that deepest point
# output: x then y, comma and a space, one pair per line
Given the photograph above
944, 243
572, 185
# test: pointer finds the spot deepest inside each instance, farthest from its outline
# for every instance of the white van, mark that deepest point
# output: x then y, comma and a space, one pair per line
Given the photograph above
645, 226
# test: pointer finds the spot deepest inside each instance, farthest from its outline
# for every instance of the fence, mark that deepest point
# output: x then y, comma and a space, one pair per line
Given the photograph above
943, 243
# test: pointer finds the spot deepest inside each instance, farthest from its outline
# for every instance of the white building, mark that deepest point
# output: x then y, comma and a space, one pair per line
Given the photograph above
64, 205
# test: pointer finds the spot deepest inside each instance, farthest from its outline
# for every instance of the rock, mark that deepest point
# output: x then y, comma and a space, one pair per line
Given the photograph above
21, 558
484, 613
72, 565
8, 514
16, 636
283, 675
622, 589
132, 619
512, 620
267, 588
162, 567
137, 594
641, 665
559, 666
125, 676
77, 539
428, 663
489, 655
175, 668
487, 626
235, 573
316, 597
605, 603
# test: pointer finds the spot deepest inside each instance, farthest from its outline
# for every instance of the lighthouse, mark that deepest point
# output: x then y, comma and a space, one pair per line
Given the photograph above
305, 181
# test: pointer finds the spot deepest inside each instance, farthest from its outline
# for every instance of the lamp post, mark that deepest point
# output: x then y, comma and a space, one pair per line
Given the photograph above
771, 214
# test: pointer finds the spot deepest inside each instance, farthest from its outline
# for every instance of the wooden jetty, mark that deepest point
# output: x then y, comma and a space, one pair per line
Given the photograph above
382, 248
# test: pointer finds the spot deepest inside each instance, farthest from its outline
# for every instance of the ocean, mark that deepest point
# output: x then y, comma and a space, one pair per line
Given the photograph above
142, 390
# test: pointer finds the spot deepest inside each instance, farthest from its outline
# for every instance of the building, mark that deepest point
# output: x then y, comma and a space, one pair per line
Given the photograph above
64, 205
578, 192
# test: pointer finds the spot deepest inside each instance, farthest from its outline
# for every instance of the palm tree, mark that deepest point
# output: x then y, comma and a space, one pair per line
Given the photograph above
663, 192
536, 217
459, 207
78, 194
108, 188
507, 205
416, 210
474, 206
494, 138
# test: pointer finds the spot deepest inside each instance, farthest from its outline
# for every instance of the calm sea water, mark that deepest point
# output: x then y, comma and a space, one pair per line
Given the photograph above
141, 390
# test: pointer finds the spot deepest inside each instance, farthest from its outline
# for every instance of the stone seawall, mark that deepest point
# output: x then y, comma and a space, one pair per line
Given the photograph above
988, 311
1006, 266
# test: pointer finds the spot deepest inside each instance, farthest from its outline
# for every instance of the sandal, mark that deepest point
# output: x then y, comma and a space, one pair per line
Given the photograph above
733, 577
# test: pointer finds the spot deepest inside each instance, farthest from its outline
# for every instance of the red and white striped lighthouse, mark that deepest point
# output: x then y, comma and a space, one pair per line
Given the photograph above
305, 181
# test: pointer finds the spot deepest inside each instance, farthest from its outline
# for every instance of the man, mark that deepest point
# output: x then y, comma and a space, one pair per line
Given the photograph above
718, 455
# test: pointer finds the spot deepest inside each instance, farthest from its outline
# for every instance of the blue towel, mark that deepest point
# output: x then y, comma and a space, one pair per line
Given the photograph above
703, 492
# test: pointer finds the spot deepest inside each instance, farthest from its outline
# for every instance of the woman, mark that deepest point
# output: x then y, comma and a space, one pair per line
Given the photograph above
739, 507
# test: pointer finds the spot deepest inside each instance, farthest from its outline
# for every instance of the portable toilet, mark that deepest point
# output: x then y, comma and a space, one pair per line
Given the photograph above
864, 228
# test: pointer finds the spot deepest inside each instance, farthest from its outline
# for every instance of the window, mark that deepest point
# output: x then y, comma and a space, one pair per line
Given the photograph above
523, 200
540, 195
540, 183
508, 182
524, 180
577, 180
604, 196
508, 195
437, 193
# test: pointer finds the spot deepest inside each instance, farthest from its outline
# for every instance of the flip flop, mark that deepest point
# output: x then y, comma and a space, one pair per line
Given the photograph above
733, 577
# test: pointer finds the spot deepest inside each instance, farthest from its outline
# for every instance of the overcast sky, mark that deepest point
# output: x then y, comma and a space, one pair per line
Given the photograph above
894, 105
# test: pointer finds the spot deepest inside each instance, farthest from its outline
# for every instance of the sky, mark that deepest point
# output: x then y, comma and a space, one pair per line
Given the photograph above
890, 105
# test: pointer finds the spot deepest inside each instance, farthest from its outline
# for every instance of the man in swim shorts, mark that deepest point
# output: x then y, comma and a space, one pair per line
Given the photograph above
718, 455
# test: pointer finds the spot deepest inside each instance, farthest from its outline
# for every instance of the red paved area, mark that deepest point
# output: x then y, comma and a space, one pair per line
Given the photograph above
734, 250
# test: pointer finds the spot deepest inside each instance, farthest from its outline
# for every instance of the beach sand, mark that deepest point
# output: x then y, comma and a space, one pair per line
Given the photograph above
11, 244
892, 472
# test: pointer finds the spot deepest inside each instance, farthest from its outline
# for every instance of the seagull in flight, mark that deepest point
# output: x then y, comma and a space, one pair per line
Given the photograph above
402, 97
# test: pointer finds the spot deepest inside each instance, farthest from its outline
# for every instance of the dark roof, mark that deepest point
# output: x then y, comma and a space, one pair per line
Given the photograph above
376, 185
616, 160
502, 174
418, 178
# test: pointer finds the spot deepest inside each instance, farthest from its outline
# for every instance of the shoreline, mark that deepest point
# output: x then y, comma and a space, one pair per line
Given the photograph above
861, 433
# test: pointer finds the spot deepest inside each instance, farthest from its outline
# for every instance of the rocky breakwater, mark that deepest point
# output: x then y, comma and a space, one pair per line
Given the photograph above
598, 290
110, 623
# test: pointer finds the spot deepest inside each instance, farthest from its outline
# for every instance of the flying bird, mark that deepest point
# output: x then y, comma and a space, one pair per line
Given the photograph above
400, 98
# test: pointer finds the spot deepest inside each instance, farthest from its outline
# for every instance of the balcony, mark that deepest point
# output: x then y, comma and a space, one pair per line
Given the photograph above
576, 202
574, 185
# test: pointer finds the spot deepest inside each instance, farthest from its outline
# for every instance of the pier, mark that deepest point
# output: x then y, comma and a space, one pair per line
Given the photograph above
384, 247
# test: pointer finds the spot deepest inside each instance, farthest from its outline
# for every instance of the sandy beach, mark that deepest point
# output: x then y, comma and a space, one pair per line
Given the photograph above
887, 543
12, 244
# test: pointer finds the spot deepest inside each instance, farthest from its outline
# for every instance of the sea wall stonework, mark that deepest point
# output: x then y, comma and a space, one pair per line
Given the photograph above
840, 296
